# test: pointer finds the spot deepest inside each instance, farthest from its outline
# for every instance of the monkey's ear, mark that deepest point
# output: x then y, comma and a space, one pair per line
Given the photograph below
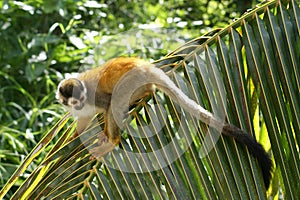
81, 85
59, 91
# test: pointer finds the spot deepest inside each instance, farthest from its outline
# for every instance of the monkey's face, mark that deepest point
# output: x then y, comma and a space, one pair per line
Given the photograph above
71, 93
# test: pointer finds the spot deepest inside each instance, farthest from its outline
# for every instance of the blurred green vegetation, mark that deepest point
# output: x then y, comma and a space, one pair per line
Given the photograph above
42, 40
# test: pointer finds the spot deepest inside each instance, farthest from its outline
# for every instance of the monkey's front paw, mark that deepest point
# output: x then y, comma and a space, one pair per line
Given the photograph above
102, 139
104, 147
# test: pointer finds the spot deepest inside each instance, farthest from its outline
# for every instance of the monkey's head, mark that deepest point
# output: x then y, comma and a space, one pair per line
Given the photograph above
72, 93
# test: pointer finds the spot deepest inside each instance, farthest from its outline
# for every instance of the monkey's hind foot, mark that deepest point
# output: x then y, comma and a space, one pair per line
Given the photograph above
104, 146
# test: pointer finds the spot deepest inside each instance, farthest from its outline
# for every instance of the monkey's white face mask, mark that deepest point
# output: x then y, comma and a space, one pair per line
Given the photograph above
72, 93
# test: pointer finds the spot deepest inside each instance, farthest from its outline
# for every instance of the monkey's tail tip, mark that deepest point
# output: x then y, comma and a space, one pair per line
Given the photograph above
254, 148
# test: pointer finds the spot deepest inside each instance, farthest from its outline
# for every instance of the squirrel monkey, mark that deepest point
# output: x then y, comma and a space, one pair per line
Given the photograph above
92, 92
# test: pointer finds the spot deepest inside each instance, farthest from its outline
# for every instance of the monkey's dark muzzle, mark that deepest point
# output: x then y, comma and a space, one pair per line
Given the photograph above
79, 107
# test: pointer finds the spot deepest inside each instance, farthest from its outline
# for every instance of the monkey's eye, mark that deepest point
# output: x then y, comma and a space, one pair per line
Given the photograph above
65, 102
81, 98
74, 102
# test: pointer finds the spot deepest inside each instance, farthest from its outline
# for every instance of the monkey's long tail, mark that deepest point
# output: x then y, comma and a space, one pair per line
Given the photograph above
254, 148
167, 85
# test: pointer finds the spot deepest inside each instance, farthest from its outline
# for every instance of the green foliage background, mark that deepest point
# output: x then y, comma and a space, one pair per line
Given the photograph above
43, 40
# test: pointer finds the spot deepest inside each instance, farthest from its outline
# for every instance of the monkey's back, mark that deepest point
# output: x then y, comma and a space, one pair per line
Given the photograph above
111, 72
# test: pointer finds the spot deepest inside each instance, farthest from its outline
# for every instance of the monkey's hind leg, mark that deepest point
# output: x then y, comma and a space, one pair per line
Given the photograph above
109, 138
